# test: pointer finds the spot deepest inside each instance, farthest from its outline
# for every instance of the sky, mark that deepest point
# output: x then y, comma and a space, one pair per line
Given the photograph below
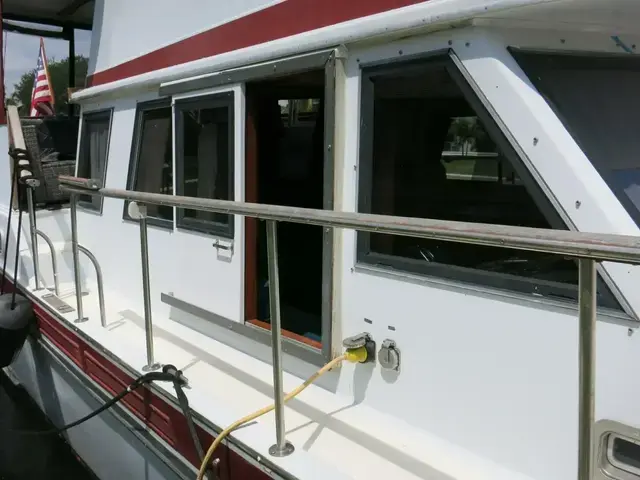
22, 53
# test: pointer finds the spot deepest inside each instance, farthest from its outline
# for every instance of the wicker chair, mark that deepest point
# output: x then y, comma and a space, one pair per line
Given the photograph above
47, 164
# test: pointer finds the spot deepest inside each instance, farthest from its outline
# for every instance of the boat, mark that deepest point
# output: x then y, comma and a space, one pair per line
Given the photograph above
434, 202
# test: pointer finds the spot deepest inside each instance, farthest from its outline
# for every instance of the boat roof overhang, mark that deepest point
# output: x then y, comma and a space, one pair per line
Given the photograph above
61, 13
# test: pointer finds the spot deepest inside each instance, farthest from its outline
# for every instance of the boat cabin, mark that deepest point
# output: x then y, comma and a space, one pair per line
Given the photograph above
476, 115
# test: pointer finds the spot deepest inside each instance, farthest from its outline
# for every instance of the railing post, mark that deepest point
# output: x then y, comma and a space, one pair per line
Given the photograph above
76, 257
99, 281
54, 261
140, 212
587, 332
34, 238
282, 448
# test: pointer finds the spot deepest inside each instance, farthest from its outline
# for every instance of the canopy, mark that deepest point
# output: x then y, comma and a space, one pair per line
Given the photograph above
64, 13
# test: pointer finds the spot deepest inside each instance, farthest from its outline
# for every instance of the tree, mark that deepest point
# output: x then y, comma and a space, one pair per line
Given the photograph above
59, 76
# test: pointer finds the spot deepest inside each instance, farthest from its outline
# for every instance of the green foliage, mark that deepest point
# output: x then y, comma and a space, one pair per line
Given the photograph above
59, 75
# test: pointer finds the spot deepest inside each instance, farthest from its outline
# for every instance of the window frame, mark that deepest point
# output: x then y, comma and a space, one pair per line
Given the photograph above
89, 116
134, 159
576, 60
464, 275
214, 100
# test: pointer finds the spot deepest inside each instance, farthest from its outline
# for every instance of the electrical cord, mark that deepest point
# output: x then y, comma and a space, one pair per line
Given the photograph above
354, 355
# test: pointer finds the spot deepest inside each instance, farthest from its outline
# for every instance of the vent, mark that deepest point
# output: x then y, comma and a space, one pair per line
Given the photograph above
624, 454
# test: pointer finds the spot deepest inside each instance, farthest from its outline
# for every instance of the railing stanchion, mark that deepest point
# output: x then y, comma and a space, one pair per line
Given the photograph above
587, 332
76, 257
281, 448
100, 282
141, 215
34, 238
54, 261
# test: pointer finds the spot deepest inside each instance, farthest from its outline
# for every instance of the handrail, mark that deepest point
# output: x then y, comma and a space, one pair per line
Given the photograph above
54, 261
96, 265
588, 247
595, 246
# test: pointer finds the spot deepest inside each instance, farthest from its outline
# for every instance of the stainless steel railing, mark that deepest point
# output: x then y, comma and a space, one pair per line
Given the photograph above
99, 280
587, 247
54, 260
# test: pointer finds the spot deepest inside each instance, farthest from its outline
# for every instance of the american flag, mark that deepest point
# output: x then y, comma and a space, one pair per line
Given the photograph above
42, 101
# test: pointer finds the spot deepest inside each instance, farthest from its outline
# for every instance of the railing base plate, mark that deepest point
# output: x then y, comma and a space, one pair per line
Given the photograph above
276, 451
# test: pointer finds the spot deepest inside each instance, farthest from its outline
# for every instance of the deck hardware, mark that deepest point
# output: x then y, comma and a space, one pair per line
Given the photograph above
139, 212
578, 204
389, 355
535, 141
363, 339
73, 200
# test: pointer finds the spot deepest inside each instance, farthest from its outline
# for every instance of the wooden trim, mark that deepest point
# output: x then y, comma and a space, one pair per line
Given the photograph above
288, 334
251, 224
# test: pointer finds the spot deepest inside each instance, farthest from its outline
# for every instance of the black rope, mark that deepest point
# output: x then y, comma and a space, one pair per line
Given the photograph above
8, 231
137, 383
183, 401
17, 258
186, 411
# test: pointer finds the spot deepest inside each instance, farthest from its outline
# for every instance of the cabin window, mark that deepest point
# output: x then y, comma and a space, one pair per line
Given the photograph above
204, 159
94, 149
151, 165
429, 149
597, 99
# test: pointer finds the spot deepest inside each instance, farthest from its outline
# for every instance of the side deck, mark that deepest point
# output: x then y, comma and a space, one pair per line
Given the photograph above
477, 347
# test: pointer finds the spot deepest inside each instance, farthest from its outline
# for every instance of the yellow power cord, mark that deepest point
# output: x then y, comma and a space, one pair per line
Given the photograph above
355, 355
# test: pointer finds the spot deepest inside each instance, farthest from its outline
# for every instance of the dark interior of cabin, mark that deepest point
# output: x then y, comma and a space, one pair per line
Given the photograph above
287, 116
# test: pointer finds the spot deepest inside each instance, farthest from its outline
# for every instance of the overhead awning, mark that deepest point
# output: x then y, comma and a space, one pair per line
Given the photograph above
272, 69
63, 13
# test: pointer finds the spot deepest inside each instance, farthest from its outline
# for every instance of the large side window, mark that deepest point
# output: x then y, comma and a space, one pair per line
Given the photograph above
204, 159
151, 165
429, 149
94, 149
597, 99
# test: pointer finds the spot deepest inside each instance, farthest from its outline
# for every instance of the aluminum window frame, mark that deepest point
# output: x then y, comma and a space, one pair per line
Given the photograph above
224, 99
318, 60
134, 160
468, 276
88, 117
576, 61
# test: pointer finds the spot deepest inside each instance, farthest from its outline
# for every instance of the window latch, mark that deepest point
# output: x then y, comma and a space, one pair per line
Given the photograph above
220, 245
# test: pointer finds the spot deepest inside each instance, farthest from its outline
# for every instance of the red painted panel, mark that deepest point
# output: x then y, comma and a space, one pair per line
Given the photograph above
137, 401
60, 336
285, 19
162, 417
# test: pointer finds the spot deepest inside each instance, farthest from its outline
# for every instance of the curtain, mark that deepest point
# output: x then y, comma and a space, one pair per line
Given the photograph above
98, 139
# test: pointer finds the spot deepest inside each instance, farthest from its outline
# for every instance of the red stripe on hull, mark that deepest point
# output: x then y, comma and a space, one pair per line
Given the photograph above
285, 19
162, 417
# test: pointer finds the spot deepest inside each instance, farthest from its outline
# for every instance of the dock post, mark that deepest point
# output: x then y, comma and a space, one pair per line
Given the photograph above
282, 448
